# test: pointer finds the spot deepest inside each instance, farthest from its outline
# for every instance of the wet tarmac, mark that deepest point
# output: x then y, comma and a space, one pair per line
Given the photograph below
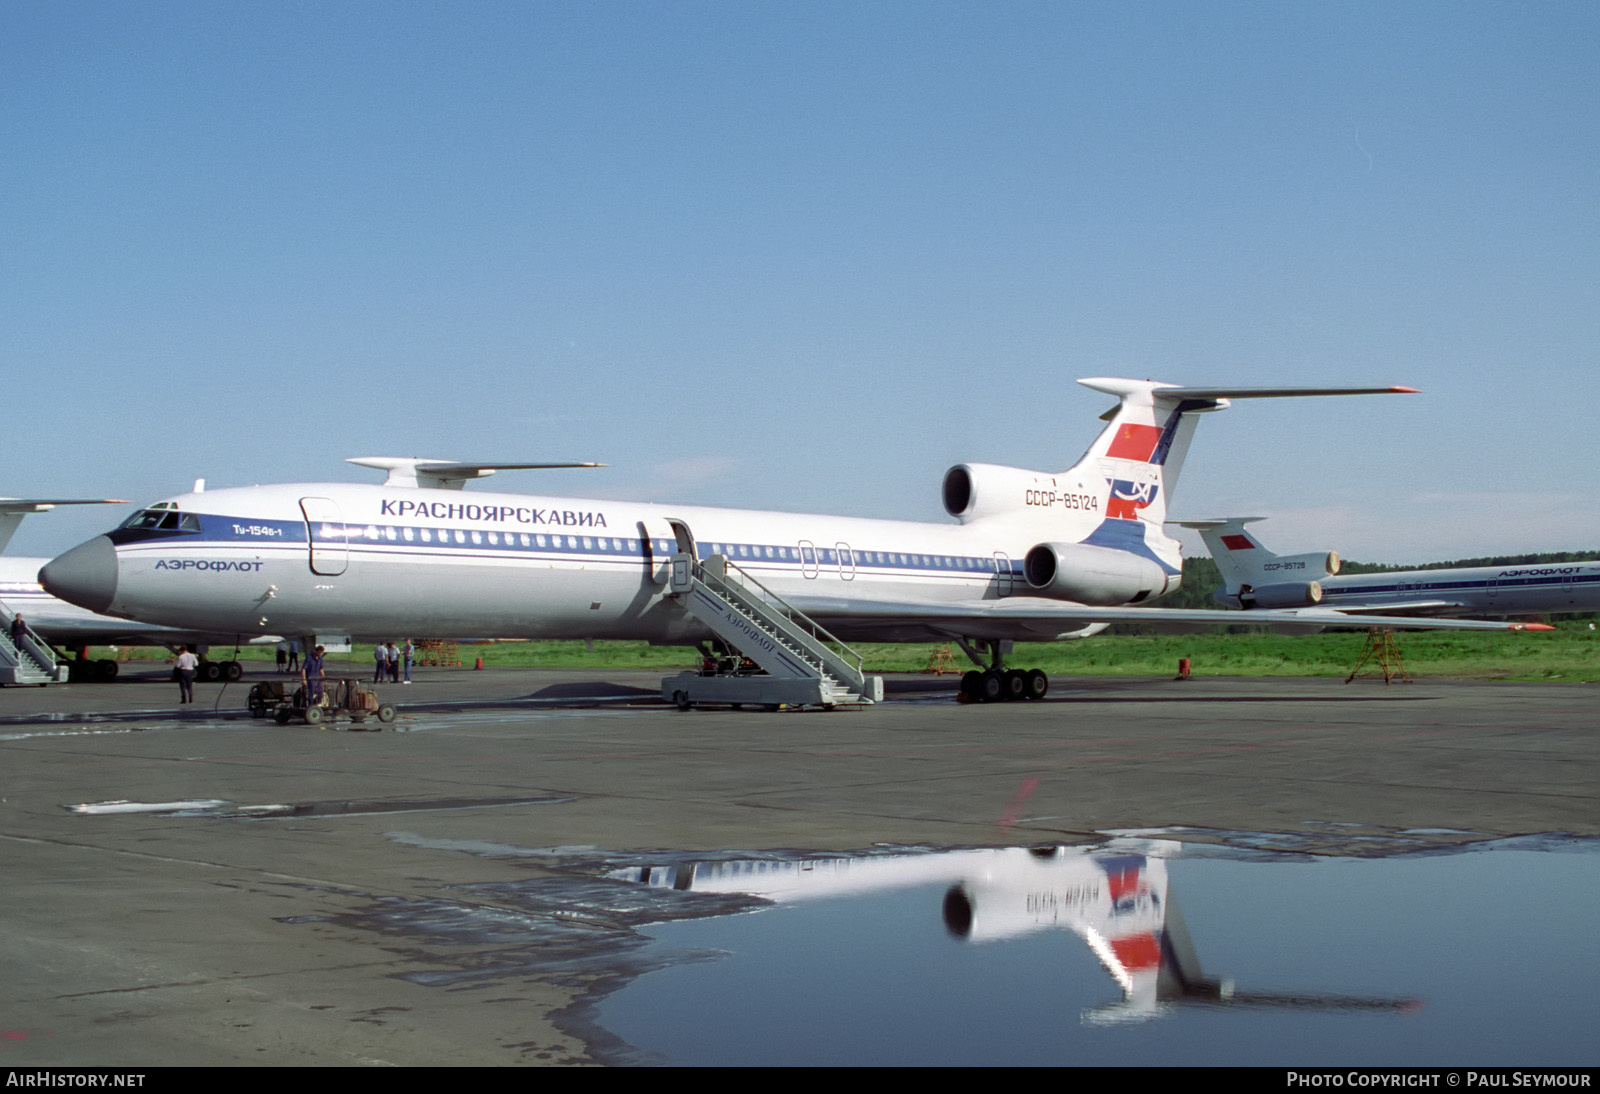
200, 887
1133, 949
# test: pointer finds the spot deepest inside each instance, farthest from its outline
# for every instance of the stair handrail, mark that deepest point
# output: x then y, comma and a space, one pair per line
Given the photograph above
789, 611
32, 655
37, 648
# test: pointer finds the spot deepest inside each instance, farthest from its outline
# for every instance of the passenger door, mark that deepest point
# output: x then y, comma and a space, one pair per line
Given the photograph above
327, 536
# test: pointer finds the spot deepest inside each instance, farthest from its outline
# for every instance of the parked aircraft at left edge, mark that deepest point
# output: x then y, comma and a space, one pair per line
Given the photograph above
1035, 555
62, 624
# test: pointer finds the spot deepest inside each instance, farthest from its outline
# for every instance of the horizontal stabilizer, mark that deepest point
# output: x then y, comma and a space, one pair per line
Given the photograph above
1150, 389
1213, 522
445, 474
1277, 392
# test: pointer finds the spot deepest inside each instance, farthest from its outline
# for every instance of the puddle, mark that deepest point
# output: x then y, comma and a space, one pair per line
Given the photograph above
217, 808
81, 731
1241, 949
1135, 951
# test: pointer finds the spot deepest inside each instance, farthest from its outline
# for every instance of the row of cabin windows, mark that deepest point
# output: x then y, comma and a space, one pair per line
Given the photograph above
618, 545
163, 516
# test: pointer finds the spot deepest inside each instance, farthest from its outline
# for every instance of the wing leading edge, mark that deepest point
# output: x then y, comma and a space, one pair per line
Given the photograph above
1021, 617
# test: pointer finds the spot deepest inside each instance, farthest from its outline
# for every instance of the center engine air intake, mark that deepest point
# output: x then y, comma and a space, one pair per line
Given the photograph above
974, 490
1098, 576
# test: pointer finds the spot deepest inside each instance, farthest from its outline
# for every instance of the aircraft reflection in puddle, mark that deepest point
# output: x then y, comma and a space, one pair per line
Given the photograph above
1116, 897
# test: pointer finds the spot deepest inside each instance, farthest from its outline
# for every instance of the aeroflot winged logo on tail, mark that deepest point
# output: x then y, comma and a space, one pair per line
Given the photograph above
1127, 498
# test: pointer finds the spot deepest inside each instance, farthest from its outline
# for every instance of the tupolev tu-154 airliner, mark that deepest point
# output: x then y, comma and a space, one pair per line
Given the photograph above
1253, 577
1031, 556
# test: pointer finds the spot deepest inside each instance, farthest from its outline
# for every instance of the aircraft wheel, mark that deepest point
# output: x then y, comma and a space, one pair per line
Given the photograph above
385, 713
232, 670
681, 698
991, 687
1016, 684
970, 683
313, 716
281, 716
105, 670
210, 672
1037, 684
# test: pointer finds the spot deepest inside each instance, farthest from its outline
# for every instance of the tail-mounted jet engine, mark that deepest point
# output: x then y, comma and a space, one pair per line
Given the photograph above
1291, 594
975, 490
1099, 576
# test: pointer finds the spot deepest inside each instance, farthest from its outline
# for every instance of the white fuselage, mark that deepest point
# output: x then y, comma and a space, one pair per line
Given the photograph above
376, 562
1534, 589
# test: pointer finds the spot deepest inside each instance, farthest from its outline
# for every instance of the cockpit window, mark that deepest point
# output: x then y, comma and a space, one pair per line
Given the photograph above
164, 518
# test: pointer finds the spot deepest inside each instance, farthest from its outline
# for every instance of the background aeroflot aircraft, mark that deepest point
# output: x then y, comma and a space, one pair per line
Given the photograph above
65, 625
1254, 577
1033, 555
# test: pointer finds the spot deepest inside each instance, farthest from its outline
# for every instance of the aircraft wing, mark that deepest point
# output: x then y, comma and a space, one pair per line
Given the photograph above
1025, 617
1406, 607
39, 505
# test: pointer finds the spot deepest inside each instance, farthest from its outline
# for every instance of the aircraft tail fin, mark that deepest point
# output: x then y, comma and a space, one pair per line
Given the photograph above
1249, 567
1146, 439
1142, 448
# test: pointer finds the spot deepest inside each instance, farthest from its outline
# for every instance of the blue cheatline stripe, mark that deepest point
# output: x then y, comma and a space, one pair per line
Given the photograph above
427, 541
1412, 588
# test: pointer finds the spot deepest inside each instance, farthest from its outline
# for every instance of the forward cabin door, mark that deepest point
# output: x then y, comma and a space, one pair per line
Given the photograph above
657, 538
327, 536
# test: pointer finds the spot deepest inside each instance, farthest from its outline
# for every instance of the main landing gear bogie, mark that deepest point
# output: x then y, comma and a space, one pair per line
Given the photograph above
1004, 685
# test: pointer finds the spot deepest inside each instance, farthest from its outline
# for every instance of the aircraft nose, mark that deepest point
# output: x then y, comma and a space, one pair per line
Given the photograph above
85, 576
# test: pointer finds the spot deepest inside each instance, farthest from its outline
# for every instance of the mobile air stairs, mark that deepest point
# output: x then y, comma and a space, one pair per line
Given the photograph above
787, 659
32, 663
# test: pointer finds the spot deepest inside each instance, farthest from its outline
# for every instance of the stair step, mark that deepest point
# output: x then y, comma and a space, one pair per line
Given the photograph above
788, 629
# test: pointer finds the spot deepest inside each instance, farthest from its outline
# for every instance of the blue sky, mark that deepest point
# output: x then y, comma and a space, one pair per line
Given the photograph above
808, 255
